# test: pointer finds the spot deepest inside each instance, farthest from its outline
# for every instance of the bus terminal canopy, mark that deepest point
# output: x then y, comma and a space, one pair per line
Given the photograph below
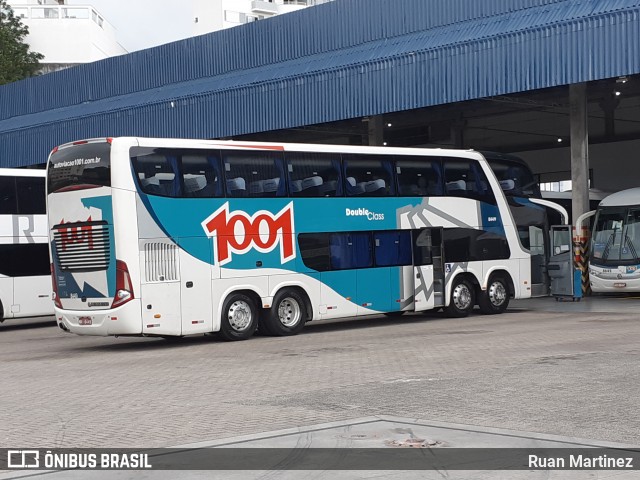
340, 60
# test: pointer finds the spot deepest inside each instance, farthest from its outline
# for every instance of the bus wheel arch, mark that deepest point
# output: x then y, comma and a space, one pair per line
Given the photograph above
462, 296
239, 315
495, 299
290, 310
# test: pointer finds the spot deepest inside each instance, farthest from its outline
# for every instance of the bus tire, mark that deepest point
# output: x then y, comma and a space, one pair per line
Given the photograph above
287, 315
462, 299
495, 299
239, 317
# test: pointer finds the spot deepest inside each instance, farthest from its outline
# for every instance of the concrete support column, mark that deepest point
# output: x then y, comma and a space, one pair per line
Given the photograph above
579, 149
579, 176
376, 130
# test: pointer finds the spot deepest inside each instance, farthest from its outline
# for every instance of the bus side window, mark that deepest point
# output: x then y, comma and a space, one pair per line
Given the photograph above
392, 249
157, 174
368, 175
8, 203
314, 174
314, 249
254, 174
31, 197
201, 175
465, 178
350, 250
419, 177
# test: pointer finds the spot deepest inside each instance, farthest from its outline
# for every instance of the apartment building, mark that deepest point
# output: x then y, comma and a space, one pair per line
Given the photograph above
66, 35
212, 15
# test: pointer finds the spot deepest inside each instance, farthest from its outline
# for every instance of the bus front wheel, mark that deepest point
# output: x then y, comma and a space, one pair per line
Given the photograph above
239, 317
287, 315
495, 299
462, 299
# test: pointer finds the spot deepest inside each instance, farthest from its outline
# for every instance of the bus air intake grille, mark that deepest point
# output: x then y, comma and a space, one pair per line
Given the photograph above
82, 247
160, 262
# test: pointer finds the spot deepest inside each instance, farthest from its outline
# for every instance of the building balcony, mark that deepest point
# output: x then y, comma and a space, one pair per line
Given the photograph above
259, 6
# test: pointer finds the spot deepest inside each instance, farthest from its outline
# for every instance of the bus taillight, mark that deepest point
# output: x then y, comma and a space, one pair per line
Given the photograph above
124, 289
54, 284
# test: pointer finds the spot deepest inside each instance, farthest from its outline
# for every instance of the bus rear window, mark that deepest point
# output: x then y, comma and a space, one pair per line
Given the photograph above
79, 167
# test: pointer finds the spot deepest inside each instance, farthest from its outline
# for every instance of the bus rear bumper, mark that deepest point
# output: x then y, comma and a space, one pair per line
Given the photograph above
124, 320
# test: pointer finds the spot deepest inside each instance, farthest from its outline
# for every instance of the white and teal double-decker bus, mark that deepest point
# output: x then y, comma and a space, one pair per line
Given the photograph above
172, 237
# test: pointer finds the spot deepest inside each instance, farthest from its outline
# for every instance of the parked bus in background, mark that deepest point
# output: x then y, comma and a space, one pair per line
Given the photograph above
532, 215
614, 265
565, 199
176, 237
25, 277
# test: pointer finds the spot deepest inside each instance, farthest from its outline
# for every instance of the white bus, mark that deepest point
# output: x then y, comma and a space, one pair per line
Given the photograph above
565, 199
25, 276
614, 265
168, 237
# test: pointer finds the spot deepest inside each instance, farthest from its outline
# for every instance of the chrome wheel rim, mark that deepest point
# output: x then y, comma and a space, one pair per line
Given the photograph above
289, 312
239, 315
462, 297
497, 294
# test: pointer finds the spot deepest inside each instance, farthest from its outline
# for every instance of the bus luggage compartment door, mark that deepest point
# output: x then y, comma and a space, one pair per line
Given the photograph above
195, 285
428, 268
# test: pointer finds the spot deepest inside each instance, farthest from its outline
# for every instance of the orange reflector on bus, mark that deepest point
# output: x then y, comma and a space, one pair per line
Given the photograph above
157, 315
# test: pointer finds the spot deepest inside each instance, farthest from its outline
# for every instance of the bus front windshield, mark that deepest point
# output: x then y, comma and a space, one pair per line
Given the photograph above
616, 236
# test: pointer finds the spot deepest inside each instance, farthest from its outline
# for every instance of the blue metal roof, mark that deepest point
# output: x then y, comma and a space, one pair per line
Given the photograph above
340, 60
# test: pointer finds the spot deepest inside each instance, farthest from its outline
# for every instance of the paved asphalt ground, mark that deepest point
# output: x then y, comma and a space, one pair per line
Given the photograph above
567, 369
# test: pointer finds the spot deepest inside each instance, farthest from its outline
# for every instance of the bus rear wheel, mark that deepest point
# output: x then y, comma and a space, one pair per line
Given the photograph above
495, 299
239, 317
462, 299
287, 315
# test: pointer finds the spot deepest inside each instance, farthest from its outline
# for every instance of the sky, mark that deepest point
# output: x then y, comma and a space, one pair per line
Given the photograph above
142, 24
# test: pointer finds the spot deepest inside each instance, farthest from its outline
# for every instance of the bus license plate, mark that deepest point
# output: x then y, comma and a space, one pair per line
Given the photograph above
85, 321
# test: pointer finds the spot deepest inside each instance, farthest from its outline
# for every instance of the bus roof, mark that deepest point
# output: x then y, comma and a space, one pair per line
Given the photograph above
237, 144
594, 194
504, 158
623, 198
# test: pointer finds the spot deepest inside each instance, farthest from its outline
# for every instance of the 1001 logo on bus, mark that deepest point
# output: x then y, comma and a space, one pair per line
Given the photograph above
239, 232
73, 235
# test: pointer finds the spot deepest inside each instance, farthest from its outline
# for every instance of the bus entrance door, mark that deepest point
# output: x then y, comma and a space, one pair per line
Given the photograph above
428, 268
565, 278
538, 246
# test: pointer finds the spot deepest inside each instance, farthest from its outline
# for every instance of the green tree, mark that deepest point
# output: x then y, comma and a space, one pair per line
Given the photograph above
16, 61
